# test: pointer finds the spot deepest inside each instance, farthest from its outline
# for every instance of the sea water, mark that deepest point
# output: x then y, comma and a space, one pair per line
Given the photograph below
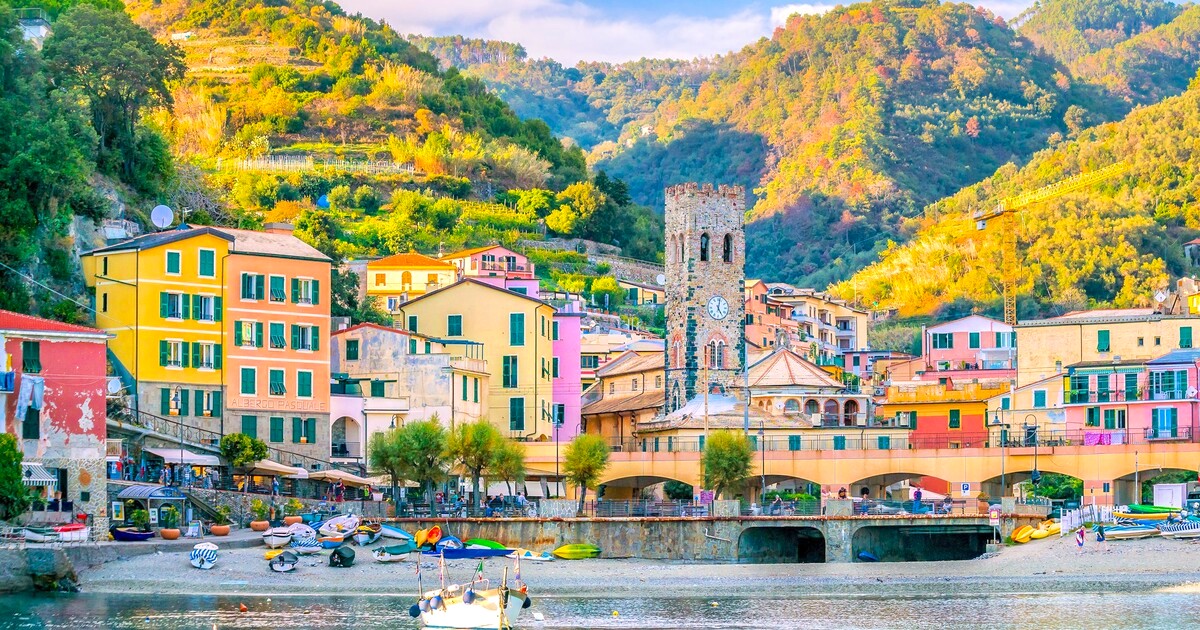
1040, 611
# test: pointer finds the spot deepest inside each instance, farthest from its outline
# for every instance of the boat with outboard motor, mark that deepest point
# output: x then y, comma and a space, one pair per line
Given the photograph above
474, 605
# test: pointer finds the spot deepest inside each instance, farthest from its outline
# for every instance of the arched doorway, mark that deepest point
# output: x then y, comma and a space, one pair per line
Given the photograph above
346, 439
851, 408
830, 416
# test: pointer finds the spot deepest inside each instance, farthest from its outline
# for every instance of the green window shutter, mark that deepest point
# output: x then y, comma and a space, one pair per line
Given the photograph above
196, 354
295, 336
1102, 344
1185, 337
297, 430
199, 393
183, 402
454, 325
794, 442
973, 340
166, 401
216, 404
304, 384
258, 334
237, 333
316, 340
163, 304
249, 387
554, 330
310, 430
207, 263
555, 371
185, 354
259, 289
475, 398
250, 426
464, 387
217, 308
412, 345
1006, 403
316, 292
295, 290
378, 389
516, 414
217, 361
839, 442
164, 351
1174, 422
516, 329
412, 323
884, 442
1110, 418
276, 429
1039, 399
352, 350
955, 419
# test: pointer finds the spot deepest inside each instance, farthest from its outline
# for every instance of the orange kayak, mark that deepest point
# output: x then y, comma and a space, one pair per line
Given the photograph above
433, 535
419, 537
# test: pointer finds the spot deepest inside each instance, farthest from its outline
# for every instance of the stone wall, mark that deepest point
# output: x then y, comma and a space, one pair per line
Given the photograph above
630, 269
239, 503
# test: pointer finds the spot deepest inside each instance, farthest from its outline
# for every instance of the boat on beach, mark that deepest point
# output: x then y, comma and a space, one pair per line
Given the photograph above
483, 542
305, 546
577, 551
367, 534
535, 556
331, 542
339, 526
471, 606
1129, 532
394, 553
203, 555
72, 532
277, 537
473, 553
394, 532
284, 562
129, 534
1181, 529
300, 530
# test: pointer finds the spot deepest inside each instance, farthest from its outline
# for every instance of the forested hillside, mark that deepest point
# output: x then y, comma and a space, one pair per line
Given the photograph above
1112, 244
1072, 29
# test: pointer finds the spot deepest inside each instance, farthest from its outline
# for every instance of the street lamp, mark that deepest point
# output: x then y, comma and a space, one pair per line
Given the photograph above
762, 445
1036, 476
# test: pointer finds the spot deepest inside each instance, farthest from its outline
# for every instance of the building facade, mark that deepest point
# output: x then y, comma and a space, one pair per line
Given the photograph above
974, 342
705, 272
393, 280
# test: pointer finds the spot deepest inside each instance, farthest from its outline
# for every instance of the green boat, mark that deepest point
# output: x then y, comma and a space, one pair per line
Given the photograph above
1152, 509
577, 552
482, 542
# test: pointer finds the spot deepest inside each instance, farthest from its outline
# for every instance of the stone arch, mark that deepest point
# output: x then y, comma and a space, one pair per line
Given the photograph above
791, 405
345, 438
812, 407
831, 412
727, 249
406, 280
850, 408
704, 247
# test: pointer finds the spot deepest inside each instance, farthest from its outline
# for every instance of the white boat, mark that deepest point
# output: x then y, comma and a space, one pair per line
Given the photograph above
1185, 529
203, 555
472, 606
394, 532
339, 526
300, 530
41, 534
305, 546
74, 532
277, 537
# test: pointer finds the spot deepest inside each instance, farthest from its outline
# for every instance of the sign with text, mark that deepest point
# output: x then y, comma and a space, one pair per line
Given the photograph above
278, 404
994, 517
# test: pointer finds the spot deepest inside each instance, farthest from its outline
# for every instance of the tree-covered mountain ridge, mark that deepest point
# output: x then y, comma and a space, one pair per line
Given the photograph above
1112, 244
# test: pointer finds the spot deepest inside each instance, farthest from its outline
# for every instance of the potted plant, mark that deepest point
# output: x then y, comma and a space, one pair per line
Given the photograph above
983, 499
291, 512
140, 519
169, 519
220, 526
260, 511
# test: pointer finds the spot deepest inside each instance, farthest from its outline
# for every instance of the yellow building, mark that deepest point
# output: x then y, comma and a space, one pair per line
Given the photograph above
942, 415
1039, 404
516, 332
640, 293
396, 279
832, 325
628, 391
1045, 346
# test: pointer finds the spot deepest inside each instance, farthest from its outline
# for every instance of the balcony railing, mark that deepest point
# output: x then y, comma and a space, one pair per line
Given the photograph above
511, 270
1161, 434
1084, 396
346, 450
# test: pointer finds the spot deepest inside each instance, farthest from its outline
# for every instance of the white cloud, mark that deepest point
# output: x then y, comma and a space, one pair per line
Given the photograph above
780, 14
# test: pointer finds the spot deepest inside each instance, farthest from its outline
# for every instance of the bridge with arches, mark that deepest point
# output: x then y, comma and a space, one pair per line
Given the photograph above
1110, 473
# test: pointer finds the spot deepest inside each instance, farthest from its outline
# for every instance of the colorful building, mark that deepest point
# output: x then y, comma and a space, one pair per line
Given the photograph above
222, 329
974, 342
566, 336
641, 293
53, 386
517, 336
628, 391
768, 319
830, 326
498, 266
396, 279
942, 415
1037, 404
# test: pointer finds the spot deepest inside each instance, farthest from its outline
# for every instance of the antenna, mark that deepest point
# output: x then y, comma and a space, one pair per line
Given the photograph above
161, 216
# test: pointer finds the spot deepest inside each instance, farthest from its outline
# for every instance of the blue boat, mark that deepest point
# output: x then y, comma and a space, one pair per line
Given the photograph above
473, 553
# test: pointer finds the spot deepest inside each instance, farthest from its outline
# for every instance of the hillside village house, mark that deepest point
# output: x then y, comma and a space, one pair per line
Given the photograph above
827, 326
498, 266
52, 398
642, 293
628, 391
393, 280
597, 349
224, 330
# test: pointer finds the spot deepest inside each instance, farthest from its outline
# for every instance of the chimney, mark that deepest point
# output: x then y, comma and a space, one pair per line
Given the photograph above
279, 228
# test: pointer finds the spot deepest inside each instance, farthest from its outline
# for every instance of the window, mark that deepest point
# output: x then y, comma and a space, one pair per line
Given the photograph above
206, 356
464, 388
727, 249
277, 292
943, 341
253, 286
454, 325
1165, 422
510, 371
412, 323
1114, 418
250, 426
857, 361
1102, 390
278, 341
516, 414
249, 386
1158, 341
589, 362
658, 382
554, 331
427, 347
794, 442
31, 357
208, 266
1185, 337
883, 442
1168, 384
558, 414
1079, 393
412, 345
554, 367
521, 290
475, 395
275, 382
516, 329
248, 334
104, 265
635, 385
1039, 398
380, 279
175, 402
306, 291
103, 302
351, 349
173, 305
304, 383
31, 426
1093, 417
310, 430
1102, 342
612, 388
305, 337
173, 263
973, 340
1006, 403
1131, 387
704, 248
173, 353
1141, 341
297, 430
955, 419
206, 308
378, 389
208, 404
276, 429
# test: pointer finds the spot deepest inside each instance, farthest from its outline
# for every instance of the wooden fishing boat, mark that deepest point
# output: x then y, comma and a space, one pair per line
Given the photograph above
203, 555
339, 525
129, 534
304, 546
367, 534
577, 551
394, 532
394, 553
300, 530
277, 537
72, 532
331, 542
483, 542
533, 556
472, 606
284, 562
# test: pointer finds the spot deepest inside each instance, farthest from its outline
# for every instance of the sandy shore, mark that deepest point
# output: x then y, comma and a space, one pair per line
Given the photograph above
1047, 565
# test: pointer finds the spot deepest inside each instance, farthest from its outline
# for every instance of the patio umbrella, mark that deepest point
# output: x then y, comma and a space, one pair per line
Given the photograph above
268, 468
332, 475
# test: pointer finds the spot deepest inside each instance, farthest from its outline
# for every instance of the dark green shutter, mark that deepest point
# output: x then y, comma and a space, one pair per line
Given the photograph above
258, 334
166, 401
516, 329
1102, 344
476, 395
316, 338
185, 302
195, 354
199, 402
217, 356
316, 292
164, 351
1185, 337
295, 290
276, 429
259, 289
295, 336
183, 402
163, 304
216, 404
185, 354
217, 309
237, 333
250, 426
310, 430
297, 430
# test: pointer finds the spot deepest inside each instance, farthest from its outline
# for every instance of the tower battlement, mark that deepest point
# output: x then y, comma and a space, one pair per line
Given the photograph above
706, 190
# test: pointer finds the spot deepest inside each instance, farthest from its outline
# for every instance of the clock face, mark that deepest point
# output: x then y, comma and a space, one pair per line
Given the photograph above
718, 308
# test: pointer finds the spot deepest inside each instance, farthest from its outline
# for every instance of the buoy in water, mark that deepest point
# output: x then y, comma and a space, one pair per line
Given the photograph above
242, 608
713, 604
414, 611
615, 614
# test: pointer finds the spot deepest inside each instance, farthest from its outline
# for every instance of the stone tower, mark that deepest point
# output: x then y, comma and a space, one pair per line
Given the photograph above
706, 271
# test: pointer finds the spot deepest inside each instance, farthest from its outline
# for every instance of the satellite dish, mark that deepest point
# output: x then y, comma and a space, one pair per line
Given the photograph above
114, 385
1160, 297
661, 280
161, 216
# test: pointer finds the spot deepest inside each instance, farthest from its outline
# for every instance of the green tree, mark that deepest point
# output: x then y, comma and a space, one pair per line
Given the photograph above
385, 454
241, 450
119, 67
508, 463
607, 286
14, 495
422, 447
678, 491
471, 446
727, 460
584, 461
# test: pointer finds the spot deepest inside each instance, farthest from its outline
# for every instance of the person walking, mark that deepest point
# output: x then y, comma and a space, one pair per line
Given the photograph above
1080, 537
1101, 539
916, 500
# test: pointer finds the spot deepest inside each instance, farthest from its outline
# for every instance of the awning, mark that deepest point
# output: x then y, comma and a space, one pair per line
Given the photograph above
146, 491
35, 474
269, 468
339, 475
176, 456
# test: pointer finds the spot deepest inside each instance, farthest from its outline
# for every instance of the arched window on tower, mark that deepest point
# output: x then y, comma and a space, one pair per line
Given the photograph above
682, 249
704, 248
727, 251
716, 355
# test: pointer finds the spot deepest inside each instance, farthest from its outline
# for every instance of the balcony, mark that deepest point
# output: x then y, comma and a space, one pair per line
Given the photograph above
1092, 397
506, 269
943, 393
1168, 434
345, 450
466, 364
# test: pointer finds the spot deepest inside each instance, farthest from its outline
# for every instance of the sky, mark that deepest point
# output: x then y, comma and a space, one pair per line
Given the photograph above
607, 30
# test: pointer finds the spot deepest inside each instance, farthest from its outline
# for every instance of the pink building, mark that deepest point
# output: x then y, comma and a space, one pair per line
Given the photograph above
498, 266
568, 384
1121, 402
974, 342
53, 386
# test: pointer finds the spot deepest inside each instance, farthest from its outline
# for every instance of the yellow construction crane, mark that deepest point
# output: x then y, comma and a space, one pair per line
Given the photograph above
1002, 218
